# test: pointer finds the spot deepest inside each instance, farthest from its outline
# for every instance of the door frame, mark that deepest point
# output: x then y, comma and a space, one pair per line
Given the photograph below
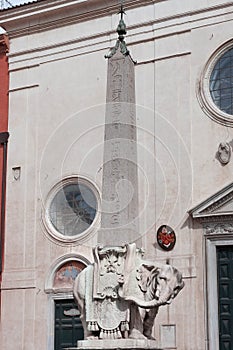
52, 298
212, 242
58, 294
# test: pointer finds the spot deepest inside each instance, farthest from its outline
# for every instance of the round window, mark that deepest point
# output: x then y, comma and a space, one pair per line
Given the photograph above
71, 209
221, 82
215, 92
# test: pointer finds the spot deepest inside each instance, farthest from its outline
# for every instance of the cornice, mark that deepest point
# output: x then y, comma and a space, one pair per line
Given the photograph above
223, 218
49, 14
208, 209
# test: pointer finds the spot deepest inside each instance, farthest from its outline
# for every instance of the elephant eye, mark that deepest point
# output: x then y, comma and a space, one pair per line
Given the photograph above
163, 278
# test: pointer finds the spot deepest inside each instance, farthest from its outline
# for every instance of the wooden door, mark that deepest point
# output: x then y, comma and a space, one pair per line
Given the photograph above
225, 295
68, 326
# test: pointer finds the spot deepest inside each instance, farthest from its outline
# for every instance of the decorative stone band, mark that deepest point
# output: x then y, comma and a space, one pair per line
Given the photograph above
218, 229
129, 344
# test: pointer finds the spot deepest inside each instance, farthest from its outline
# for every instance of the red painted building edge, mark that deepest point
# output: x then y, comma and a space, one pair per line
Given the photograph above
4, 82
4, 88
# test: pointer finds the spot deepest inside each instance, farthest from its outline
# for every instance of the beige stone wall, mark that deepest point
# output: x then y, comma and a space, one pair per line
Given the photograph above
56, 123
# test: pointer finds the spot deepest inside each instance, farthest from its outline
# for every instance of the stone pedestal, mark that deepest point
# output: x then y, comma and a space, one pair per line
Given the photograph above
116, 344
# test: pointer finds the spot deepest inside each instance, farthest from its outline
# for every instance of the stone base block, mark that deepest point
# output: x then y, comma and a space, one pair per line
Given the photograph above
116, 344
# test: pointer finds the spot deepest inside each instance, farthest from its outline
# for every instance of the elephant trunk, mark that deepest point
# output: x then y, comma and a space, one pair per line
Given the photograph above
148, 304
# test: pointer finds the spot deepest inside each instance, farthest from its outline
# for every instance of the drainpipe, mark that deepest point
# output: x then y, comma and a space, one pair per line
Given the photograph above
3, 141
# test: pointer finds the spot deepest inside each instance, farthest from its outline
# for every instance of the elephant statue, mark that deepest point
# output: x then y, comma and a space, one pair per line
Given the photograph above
159, 286
120, 294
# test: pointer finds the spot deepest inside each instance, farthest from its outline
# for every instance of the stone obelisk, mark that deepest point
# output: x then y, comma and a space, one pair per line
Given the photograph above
119, 211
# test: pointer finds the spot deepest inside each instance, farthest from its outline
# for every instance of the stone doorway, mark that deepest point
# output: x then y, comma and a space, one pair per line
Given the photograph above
63, 315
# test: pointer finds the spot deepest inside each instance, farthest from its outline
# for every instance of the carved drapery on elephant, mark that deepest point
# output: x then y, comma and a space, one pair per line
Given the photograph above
119, 295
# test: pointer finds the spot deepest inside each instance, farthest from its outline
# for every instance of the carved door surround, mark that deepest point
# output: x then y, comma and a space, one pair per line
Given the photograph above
61, 292
215, 215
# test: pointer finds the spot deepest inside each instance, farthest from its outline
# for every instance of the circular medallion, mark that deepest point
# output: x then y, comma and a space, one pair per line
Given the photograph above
166, 237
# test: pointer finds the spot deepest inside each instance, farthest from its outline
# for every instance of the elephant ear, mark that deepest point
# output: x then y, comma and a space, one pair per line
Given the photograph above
144, 275
180, 283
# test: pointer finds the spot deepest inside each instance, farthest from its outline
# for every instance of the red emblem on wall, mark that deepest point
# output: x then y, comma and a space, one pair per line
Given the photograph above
166, 237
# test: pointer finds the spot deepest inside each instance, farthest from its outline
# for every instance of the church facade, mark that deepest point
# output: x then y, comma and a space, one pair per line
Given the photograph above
184, 117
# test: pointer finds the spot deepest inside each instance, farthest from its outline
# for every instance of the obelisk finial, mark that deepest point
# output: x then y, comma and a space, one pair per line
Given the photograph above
121, 30
121, 11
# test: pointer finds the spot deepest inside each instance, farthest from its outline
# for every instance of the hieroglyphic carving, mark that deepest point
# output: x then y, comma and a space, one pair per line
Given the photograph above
120, 199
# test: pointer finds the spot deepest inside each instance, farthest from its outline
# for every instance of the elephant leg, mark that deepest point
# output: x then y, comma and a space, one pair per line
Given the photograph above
148, 322
81, 306
79, 297
136, 326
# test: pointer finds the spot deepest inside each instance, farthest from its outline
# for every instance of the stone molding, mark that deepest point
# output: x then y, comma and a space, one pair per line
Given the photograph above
48, 227
152, 29
117, 344
85, 45
56, 265
215, 207
86, 10
203, 91
18, 279
24, 87
221, 228
212, 242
